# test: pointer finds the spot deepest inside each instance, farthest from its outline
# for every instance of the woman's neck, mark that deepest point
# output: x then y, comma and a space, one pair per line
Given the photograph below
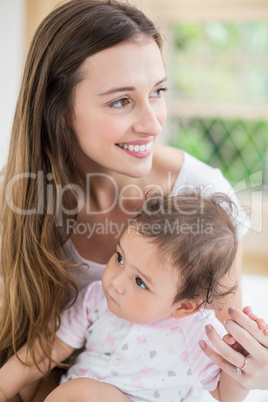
104, 188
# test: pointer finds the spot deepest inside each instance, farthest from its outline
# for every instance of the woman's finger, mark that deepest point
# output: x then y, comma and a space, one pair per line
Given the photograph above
242, 332
227, 352
235, 345
221, 362
245, 339
254, 374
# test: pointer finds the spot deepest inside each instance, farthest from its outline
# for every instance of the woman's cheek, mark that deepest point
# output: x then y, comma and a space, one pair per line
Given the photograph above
162, 113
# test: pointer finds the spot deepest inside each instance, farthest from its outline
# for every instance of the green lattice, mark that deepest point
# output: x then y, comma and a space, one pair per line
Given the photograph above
237, 147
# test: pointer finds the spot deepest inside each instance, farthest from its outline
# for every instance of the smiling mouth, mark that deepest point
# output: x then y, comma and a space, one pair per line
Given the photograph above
136, 147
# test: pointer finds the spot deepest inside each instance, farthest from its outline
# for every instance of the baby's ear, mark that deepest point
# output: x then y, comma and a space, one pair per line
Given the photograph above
184, 308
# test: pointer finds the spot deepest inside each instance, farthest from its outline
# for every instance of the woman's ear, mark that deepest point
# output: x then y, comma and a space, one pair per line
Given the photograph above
184, 308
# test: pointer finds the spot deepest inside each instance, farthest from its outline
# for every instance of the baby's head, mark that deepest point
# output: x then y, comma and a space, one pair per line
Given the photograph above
172, 258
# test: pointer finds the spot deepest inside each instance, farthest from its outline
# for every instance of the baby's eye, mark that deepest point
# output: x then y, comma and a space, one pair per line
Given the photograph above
120, 103
157, 92
140, 283
119, 258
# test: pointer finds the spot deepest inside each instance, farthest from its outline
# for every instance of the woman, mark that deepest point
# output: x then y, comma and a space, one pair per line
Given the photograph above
82, 155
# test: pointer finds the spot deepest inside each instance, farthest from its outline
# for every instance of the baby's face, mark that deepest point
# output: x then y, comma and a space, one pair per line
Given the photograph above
137, 285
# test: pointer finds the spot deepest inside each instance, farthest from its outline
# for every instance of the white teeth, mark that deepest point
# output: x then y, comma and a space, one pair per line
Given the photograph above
137, 148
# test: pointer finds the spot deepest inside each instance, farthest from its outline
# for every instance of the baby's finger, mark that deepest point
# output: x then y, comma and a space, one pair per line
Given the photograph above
248, 311
261, 323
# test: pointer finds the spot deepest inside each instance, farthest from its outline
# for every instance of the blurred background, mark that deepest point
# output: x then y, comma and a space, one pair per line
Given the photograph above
216, 54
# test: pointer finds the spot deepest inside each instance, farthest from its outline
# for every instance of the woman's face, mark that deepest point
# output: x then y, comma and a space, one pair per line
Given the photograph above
119, 107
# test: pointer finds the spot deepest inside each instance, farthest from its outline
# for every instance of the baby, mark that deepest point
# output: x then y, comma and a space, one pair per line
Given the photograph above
141, 324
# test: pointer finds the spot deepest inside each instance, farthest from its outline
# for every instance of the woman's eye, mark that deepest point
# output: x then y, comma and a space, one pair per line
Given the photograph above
140, 283
157, 92
119, 258
120, 103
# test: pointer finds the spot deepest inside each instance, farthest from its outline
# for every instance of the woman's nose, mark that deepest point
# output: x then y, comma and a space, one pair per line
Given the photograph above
147, 121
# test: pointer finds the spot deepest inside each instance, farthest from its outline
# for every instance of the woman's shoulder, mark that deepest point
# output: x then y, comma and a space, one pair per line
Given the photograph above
167, 157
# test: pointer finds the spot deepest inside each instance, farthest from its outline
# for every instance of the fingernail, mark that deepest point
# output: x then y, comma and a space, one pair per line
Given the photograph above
231, 310
202, 344
208, 328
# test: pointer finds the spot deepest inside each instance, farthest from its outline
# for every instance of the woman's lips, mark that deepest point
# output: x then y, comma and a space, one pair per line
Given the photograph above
139, 149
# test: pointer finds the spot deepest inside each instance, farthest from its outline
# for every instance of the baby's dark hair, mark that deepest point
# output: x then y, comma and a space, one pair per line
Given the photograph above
196, 234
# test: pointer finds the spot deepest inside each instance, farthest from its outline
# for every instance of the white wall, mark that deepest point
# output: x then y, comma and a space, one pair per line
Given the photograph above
11, 56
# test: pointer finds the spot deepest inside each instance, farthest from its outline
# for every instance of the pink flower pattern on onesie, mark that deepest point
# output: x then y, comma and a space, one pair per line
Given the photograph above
152, 362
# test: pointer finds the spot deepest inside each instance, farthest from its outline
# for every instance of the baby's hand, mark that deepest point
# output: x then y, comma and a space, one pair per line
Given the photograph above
261, 323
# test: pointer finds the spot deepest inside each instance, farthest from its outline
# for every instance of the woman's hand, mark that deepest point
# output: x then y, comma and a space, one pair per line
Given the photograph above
245, 346
261, 324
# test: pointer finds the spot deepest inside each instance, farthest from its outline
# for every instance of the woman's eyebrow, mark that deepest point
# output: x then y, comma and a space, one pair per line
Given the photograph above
127, 89
120, 89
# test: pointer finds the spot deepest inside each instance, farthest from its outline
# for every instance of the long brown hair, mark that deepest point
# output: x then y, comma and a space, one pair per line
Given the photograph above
35, 278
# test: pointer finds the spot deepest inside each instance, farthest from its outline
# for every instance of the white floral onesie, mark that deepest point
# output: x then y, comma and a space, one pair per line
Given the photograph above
157, 362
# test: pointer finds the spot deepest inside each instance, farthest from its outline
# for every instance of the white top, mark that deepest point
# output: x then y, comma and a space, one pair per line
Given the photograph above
193, 173
159, 361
